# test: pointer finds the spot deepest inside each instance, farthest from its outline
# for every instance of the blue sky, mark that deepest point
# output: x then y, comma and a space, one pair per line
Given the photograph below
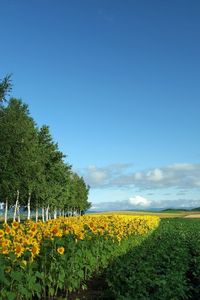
118, 82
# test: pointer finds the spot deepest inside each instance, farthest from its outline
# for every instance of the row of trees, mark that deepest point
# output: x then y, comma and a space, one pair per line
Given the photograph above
33, 173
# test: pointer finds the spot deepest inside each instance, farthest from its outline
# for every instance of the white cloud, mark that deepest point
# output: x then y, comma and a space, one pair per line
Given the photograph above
155, 175
139, 201
138, 176
100, 177
177, 175
183, 167
96, 176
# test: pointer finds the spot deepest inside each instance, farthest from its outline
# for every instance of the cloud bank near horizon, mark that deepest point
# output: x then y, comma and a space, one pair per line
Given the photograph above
140, 203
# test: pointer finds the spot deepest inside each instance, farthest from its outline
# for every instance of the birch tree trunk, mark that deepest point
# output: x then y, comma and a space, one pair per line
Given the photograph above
43, 214
55, 213
16, 206
29, 206
47, 213
18, 213
36, 214
6, 212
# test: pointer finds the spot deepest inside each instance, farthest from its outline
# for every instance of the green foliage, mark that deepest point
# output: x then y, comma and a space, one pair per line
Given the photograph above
17, 280
32, 167
52, 274
5, 88
164, 266
83, 258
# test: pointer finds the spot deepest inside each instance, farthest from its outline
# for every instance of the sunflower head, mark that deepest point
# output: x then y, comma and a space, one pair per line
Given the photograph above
18, 249
61, 250
1, 233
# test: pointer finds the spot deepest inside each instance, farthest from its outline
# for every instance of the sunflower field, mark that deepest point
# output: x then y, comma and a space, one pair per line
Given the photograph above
47, 259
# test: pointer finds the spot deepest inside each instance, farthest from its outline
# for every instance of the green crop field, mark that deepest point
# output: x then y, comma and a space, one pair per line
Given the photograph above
166, 265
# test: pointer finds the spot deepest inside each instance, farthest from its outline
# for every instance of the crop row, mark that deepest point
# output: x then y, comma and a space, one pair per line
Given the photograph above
59, 256
166, 265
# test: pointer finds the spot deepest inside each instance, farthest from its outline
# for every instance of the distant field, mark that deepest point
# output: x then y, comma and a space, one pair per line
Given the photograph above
165, 214
194, 215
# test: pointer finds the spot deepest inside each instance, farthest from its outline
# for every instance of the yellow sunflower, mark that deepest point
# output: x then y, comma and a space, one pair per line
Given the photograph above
61, 250
1, 233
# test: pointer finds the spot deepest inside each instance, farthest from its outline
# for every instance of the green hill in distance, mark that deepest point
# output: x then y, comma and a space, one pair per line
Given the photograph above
196, 209
175, 210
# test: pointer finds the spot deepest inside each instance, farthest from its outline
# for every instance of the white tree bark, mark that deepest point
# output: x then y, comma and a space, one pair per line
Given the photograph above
6, 211
16, 206
18, 213
36, 214
29, 206
47, 213
55, 213
43, 220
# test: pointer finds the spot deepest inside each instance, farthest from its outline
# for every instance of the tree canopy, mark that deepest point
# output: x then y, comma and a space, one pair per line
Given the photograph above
5, 87
33, 171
